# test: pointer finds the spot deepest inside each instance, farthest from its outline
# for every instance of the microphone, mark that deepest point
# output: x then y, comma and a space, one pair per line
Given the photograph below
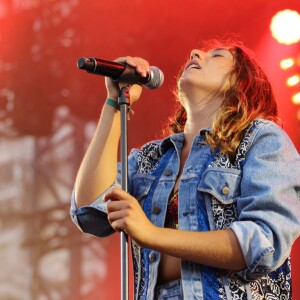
122, 73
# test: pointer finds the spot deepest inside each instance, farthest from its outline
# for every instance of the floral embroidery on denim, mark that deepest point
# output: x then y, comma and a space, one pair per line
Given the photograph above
148, 158
223, 160
277, 284
224, 215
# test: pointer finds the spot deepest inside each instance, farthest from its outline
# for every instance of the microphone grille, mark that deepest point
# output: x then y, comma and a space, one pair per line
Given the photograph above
156, 78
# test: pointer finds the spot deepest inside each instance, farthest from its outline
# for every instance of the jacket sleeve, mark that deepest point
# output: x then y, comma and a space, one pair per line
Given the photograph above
92, 218
269, 202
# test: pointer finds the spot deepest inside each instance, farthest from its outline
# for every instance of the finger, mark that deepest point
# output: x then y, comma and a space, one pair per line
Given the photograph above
137, 62
111, 195
117, 205
128, 60
121, 209
142, 66
116, 216
116, 226
116, 194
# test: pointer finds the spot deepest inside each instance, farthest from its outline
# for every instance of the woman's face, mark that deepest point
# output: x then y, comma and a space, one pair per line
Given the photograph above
207, 72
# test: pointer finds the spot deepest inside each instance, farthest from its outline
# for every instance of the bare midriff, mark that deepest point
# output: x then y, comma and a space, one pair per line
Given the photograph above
170, 266
169, 269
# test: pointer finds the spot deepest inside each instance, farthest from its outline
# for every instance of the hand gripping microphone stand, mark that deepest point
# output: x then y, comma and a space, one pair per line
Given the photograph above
123, 74
124, 103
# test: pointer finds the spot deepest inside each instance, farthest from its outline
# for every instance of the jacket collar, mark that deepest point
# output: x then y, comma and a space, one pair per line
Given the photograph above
168, 141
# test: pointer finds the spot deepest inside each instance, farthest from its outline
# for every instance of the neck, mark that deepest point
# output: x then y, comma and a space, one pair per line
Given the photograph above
200, 115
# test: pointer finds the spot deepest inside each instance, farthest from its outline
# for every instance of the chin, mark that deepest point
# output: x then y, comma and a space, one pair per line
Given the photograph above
186, 81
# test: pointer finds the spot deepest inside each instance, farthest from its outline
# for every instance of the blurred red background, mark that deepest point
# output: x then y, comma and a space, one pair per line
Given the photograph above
49, 108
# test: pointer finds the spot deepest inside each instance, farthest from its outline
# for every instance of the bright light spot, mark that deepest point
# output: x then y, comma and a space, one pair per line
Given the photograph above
285, 27
296, 98
287, 63
293, 80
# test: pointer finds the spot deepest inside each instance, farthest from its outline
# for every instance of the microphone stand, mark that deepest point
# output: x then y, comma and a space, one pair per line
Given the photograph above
124, 103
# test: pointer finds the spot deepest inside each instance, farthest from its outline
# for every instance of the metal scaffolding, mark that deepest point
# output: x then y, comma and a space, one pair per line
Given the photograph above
42, 250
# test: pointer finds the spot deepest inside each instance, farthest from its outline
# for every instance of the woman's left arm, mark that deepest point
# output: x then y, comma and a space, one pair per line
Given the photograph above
218, 249
268, 208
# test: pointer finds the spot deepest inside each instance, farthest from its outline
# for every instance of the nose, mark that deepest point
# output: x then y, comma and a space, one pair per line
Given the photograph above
197, 53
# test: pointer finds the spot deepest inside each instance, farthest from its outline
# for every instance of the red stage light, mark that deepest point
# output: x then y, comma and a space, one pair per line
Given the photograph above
296, 98
285, 27
287, 63
293, 80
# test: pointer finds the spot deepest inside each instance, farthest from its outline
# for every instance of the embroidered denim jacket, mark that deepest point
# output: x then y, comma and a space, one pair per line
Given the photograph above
257, 195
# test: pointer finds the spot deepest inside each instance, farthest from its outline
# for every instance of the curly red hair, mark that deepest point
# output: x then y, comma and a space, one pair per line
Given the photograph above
249, 96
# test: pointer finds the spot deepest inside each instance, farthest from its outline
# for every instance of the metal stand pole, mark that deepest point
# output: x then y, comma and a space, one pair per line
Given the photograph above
124, 102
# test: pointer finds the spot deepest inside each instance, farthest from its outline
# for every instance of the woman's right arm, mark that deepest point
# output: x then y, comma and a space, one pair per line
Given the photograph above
98, 169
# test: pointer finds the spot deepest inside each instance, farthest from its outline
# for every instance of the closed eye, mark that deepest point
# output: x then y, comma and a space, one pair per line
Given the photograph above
219, 52
217, 55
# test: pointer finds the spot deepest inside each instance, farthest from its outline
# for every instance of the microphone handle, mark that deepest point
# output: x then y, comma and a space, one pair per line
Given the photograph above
101, 67
118, 72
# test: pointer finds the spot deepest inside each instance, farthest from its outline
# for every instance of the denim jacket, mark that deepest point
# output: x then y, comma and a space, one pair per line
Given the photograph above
257, 196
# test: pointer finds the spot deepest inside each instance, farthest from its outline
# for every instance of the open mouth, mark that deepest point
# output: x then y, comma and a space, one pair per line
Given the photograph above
193, 64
